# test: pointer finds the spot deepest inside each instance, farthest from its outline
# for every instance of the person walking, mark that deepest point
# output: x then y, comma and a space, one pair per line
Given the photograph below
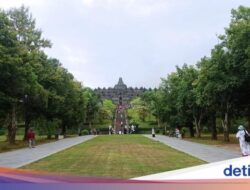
244, 145
177, 133
110, 130
132, 128
153, 132
31, 138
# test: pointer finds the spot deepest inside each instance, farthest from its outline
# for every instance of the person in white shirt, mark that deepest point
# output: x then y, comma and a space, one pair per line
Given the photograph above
177, 133
132, 128
110, 129
244, 146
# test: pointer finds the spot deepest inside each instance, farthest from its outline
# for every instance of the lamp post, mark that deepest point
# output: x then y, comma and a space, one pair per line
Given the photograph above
26, 124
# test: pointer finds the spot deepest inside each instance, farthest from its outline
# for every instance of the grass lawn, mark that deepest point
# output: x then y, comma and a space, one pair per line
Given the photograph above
206, 139
5, 146
116, 156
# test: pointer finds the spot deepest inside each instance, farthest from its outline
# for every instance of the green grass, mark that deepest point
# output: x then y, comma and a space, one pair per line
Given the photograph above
116, 156
5, 146
206, 139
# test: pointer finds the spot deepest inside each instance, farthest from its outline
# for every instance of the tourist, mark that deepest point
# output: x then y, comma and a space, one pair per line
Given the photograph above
31, 138
110, 129
153, 132
132, 128
177, 133
125, 129
244, 146
93, 131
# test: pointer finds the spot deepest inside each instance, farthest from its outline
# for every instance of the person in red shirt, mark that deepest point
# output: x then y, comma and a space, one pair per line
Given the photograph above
31, 138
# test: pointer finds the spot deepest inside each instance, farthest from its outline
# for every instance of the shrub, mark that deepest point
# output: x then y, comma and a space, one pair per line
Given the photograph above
184, 130
85, 132
157, 131
2, 132
205, 130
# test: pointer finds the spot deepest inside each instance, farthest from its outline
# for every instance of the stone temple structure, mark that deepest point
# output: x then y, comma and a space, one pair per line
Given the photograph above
120, 94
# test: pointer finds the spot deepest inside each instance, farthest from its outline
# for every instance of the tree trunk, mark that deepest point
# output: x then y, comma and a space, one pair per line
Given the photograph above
248, 122
191, 129
158, 123
197, 128
26, 129
90, 126
212, 123
165, 129
12, 126
225, 125
64, 130
49, 136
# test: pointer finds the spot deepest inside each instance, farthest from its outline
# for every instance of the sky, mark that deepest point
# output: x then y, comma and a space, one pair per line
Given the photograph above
141, 41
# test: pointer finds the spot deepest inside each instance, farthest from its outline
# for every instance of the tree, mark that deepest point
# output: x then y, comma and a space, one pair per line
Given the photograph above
27, 33
92, 107
237, 42
205, 94
107, 110
17, 77
140, 108
31, 40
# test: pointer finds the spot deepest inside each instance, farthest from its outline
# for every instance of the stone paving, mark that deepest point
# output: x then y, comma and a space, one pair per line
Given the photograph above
21, 157
207, 153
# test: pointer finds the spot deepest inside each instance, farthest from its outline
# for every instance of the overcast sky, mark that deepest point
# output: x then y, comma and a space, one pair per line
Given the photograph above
140, 40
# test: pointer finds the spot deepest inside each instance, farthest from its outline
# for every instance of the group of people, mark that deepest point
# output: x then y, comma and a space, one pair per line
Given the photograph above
176, 133
124, 130
241, 135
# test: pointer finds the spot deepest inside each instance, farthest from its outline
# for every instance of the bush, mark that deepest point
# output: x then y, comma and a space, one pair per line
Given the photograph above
157, 131
2, 132
44, 127
184, 131
85, 132
205, 130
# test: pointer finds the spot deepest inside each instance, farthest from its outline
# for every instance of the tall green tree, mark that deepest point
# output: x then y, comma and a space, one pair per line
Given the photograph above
92, 107
237, 42
32, 42
17, 77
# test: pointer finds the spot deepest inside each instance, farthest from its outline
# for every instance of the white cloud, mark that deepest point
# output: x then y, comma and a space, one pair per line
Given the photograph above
75, 59
88, 2
6, 4
143, 8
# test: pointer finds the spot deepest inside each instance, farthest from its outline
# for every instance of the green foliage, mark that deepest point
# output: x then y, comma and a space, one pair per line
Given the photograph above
140, 113
2, 132
107, 111
184, 130
44, 127
85, 132
205, 130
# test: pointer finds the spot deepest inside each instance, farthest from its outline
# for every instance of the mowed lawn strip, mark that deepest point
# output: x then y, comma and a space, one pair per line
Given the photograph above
5, 146
206, 139
120, 156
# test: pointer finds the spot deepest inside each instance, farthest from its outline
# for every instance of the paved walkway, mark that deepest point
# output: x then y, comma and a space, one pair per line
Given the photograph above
21, 157
207, 153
